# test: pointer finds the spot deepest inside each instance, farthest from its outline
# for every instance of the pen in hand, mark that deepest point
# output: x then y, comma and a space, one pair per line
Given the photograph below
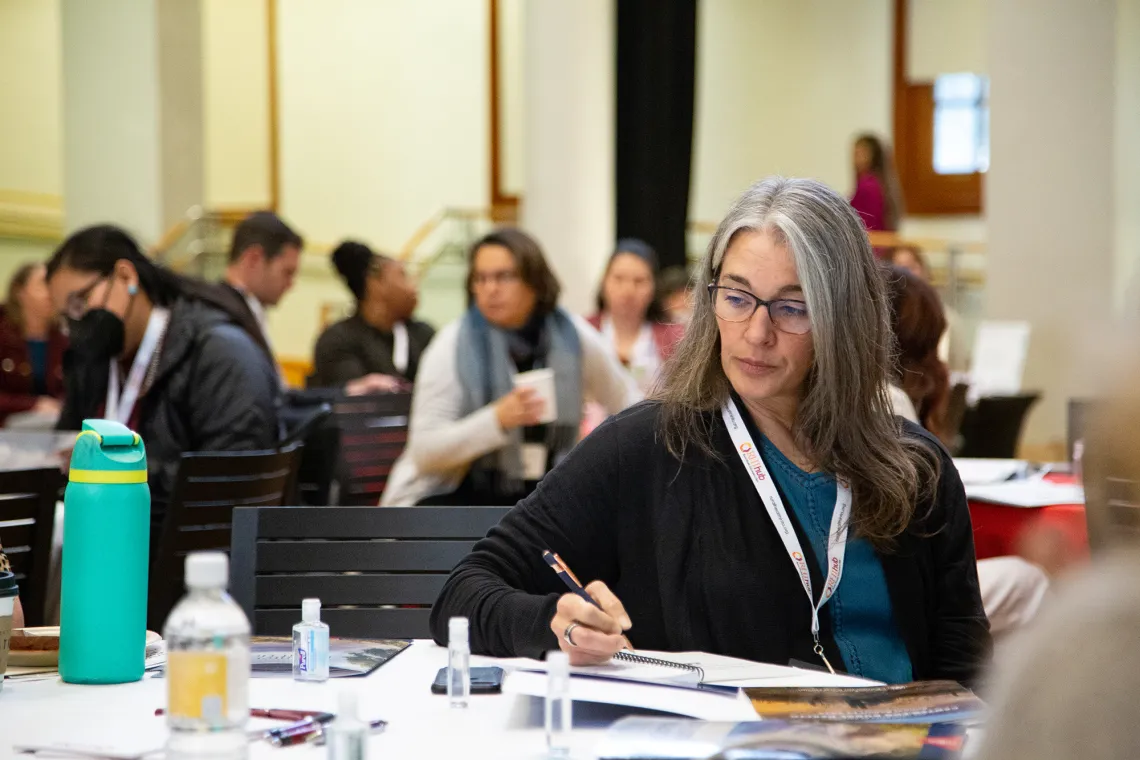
567, 575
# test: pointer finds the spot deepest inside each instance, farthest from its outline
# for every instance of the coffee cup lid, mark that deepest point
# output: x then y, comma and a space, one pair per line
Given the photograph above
8, 585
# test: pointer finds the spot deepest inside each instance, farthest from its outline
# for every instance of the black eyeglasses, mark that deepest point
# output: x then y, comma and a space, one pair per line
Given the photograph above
735, 305
76, 305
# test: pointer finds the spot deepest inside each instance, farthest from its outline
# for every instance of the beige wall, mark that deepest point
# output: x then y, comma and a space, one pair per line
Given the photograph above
1127, 131
946, 37
1050, 193
783, 86
30, 133
235, 84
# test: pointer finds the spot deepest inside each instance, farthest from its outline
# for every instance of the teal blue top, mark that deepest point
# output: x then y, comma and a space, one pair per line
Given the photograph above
862, 619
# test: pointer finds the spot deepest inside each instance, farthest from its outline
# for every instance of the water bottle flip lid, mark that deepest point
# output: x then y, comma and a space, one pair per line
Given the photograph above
108, 452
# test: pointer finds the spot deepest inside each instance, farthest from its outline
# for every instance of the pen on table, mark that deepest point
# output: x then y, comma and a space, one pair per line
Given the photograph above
298, 733
275, 713
567, 575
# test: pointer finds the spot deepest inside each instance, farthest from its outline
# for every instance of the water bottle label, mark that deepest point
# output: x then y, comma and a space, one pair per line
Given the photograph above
197, 685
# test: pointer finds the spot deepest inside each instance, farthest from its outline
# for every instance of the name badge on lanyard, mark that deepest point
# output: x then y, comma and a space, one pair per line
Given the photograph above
837, 537
120, 405
400, 349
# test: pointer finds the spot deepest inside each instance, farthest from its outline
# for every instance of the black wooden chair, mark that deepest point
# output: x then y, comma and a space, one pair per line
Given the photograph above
27, 519
377, 571
208, 486
992, 427
373, 433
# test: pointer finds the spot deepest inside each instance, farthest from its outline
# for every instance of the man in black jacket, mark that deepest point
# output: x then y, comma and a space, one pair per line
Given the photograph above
264, 258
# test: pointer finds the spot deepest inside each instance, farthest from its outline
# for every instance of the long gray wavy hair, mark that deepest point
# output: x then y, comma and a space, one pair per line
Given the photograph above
844, 421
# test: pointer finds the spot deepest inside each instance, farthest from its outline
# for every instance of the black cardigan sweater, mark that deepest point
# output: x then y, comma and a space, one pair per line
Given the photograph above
690, 551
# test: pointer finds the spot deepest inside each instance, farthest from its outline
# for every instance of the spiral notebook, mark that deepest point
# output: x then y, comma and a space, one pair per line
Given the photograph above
680, 668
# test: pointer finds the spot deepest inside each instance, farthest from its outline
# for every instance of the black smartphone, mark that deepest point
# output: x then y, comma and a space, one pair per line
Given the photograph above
483, 681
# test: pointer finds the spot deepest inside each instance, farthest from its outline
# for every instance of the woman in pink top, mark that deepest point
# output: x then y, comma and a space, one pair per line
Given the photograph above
630, 315
877, 197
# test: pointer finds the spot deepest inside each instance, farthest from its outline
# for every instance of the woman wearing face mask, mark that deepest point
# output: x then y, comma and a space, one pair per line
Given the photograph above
766, 504
474, 438
629, 314
379, 347
31, 347
148, 351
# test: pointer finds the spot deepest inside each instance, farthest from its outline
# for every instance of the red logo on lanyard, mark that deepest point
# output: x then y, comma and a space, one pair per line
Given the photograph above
753, 460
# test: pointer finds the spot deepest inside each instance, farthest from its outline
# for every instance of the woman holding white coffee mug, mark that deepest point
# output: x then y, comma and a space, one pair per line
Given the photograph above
484, 429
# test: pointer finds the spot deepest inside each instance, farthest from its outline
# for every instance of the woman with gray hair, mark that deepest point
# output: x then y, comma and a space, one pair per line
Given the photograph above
765, 504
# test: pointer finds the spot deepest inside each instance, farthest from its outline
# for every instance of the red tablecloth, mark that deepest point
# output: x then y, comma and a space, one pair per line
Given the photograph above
997, 528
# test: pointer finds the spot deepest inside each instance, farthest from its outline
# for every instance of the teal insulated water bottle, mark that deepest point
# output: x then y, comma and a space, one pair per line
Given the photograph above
106, 554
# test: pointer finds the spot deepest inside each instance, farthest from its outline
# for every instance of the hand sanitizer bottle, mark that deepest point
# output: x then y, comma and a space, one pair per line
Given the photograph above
311, 644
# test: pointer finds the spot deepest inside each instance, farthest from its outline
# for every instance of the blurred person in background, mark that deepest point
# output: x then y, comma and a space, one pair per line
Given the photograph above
920, 384
629, 314
1012, 588
910, 258
675, 291
1068, 688
380, 346
264, 258
474, 438
31, 348
877, 196
149, 350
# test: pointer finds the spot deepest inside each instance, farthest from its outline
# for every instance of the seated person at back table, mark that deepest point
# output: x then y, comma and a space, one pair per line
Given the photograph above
629, 313
149, 351
380, 346
1012, 588
700, 516
474, 439
31, 347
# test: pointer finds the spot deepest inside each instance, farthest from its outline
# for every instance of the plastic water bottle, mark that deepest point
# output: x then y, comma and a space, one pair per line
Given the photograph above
102, 636
557, 715
458, 662
347, 734
207, 665
311, 644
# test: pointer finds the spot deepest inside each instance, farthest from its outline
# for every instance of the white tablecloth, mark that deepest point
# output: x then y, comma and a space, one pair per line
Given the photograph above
421, 724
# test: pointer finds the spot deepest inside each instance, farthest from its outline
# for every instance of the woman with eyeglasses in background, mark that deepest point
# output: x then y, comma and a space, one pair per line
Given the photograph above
151, 350
31, 348
474, 438
766, 503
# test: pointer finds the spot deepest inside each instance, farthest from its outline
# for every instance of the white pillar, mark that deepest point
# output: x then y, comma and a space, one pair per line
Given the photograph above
569, 197
132, 112
1049, 193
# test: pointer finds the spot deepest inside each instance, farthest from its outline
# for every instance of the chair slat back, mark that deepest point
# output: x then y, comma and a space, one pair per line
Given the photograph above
27, 520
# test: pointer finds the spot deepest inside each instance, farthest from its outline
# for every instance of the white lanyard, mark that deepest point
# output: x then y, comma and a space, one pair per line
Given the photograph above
400, 347
837, 538
120, 406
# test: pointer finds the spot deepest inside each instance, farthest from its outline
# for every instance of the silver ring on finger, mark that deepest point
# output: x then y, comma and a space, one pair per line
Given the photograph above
568, 633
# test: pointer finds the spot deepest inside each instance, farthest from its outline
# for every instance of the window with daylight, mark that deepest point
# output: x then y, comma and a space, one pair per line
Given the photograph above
961, 124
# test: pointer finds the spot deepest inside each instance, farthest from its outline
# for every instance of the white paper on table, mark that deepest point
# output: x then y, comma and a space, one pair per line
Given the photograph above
717, 668
1031, 492
998, 362
987, 471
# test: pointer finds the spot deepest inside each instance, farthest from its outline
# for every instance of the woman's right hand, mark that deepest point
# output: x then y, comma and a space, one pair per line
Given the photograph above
599, 633
519, 408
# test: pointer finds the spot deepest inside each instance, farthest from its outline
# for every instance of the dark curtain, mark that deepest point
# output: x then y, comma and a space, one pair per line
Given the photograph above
656, 72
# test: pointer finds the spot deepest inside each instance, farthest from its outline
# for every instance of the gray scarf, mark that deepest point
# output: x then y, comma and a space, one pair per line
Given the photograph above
485, 368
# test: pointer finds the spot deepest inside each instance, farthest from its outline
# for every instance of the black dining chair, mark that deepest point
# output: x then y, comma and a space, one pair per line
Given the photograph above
27, 520
377, 571
207, 488
373, 434
992, 427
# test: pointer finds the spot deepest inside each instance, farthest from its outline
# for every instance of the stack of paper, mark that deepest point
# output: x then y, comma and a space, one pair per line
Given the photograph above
986, 471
